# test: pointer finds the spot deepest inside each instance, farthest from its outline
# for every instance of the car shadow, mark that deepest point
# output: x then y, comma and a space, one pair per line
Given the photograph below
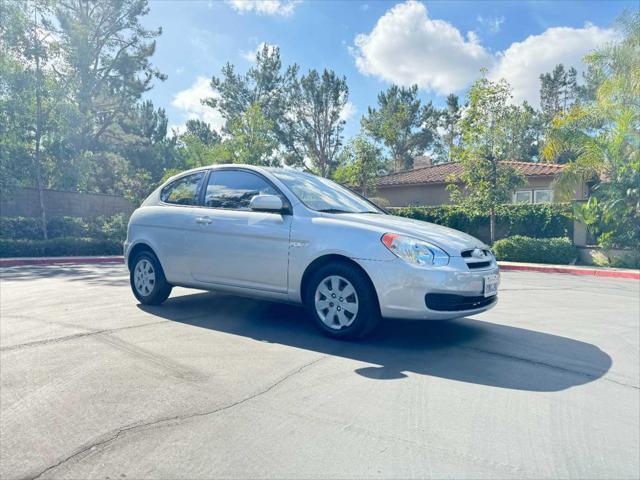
464, 350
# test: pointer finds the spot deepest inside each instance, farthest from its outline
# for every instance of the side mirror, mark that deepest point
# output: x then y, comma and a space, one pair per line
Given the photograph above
266, 203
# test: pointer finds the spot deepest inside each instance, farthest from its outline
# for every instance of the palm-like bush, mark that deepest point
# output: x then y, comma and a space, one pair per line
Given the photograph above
604, 138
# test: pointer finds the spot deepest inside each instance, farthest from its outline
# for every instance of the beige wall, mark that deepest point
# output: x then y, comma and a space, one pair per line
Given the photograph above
437, 193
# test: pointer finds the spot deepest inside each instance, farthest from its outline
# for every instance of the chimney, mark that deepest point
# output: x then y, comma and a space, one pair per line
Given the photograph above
421, 161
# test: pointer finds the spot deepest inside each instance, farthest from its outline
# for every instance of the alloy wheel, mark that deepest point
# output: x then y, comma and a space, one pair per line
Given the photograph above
144, 277
336, 302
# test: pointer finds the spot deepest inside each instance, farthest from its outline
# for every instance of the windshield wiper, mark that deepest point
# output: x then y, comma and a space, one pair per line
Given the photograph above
337, 210
334, 210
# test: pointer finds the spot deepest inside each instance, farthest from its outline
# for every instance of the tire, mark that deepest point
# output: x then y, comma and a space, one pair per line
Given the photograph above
147, 279
337, 311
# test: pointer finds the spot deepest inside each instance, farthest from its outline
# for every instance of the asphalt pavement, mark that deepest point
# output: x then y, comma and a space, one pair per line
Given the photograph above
93, 385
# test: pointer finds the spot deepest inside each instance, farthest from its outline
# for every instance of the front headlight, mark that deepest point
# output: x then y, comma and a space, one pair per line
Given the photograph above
415, 251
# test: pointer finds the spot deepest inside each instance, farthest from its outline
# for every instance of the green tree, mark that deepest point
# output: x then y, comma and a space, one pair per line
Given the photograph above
486, 181
202, 131
316, 119
106, 52
603, 136
251, 140
199, 145
448, 123
31, 103
142, 140
402, 124
524, 133
361, 164
558, 91
267, 85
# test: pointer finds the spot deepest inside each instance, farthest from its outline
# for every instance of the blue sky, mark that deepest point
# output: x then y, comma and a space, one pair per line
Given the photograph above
438, 45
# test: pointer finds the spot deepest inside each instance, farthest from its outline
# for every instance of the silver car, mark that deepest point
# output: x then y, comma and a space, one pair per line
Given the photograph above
289, 236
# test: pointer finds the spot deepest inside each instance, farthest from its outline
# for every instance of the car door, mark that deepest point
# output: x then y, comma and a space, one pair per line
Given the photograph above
170, 226
234, 245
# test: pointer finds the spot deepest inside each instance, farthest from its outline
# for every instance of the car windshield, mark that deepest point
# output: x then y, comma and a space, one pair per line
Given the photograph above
324, 195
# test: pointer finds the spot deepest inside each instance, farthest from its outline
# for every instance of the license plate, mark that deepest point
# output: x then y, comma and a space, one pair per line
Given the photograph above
491, 283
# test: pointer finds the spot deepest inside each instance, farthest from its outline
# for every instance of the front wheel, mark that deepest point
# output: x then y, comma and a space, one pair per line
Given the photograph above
147, 280
342, 301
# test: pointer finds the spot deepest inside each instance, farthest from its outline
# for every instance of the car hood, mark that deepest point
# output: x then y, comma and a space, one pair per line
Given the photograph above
452, 241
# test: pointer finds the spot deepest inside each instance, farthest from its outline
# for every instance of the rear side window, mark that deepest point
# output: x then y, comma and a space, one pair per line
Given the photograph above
234, 189
183, 191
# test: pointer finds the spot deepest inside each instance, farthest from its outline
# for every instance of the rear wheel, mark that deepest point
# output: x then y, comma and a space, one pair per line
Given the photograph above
342, 301
147, 280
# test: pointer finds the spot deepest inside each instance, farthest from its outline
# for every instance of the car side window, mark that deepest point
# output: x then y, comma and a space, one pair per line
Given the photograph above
183, 191
234, 189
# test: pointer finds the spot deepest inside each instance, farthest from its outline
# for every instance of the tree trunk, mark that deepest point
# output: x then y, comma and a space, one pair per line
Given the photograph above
492, 225
38, 140
43, 213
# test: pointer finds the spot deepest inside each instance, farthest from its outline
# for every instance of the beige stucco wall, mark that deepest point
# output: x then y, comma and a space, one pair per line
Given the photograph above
437, 193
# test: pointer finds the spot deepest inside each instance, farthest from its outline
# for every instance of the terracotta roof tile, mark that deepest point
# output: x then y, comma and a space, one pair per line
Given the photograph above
440, 173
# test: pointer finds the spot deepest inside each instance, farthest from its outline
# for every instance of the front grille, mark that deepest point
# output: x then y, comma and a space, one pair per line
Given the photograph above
447, 302
468, 253
473, 265
477, 262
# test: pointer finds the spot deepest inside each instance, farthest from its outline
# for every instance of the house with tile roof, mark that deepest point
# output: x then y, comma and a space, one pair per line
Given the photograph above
426, 184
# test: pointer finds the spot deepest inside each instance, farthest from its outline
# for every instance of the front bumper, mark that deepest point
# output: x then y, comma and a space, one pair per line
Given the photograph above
406, 291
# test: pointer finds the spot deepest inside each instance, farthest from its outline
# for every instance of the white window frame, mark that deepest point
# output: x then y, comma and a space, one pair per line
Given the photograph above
529, 192
546, 190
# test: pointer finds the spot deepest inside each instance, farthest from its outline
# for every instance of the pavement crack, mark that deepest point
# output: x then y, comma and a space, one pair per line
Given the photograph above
74, 336
117, 434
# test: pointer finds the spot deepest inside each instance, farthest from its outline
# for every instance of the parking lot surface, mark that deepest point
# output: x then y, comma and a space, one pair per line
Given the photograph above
209, 385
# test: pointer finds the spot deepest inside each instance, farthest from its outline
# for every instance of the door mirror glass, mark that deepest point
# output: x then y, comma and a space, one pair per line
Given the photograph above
266, 203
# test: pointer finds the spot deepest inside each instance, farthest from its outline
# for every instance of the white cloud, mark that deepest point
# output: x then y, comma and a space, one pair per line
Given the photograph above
522, 63
407, 47
491, 24
250, 55
283, 8
348, 111
189, 102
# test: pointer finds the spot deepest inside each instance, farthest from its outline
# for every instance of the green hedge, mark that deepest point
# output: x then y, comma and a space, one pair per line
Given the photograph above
26, 228
531, 220
535, 250
59, 247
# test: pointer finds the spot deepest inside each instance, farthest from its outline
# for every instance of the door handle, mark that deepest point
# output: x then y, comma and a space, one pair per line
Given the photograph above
203, 220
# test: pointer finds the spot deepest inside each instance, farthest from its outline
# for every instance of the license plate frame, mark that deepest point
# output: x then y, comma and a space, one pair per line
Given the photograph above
491, 283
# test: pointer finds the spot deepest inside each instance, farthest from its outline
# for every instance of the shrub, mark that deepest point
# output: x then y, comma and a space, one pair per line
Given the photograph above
59, 247
26, 228
20, 227
630, 260
531, 220
535, 250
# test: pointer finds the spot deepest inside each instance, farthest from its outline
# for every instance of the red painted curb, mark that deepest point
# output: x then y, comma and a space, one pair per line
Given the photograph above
17, 262
596, 272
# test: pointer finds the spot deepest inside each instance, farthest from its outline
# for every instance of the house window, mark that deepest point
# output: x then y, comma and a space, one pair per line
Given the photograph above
543, 196
522, 196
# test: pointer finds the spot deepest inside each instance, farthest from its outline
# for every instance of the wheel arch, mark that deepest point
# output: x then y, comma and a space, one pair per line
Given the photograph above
136, 250
333, 258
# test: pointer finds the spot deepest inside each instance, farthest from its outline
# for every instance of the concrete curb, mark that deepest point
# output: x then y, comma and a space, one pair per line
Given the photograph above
506, 266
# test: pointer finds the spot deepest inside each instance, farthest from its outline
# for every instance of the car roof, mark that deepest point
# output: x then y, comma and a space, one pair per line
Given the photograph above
245, 166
